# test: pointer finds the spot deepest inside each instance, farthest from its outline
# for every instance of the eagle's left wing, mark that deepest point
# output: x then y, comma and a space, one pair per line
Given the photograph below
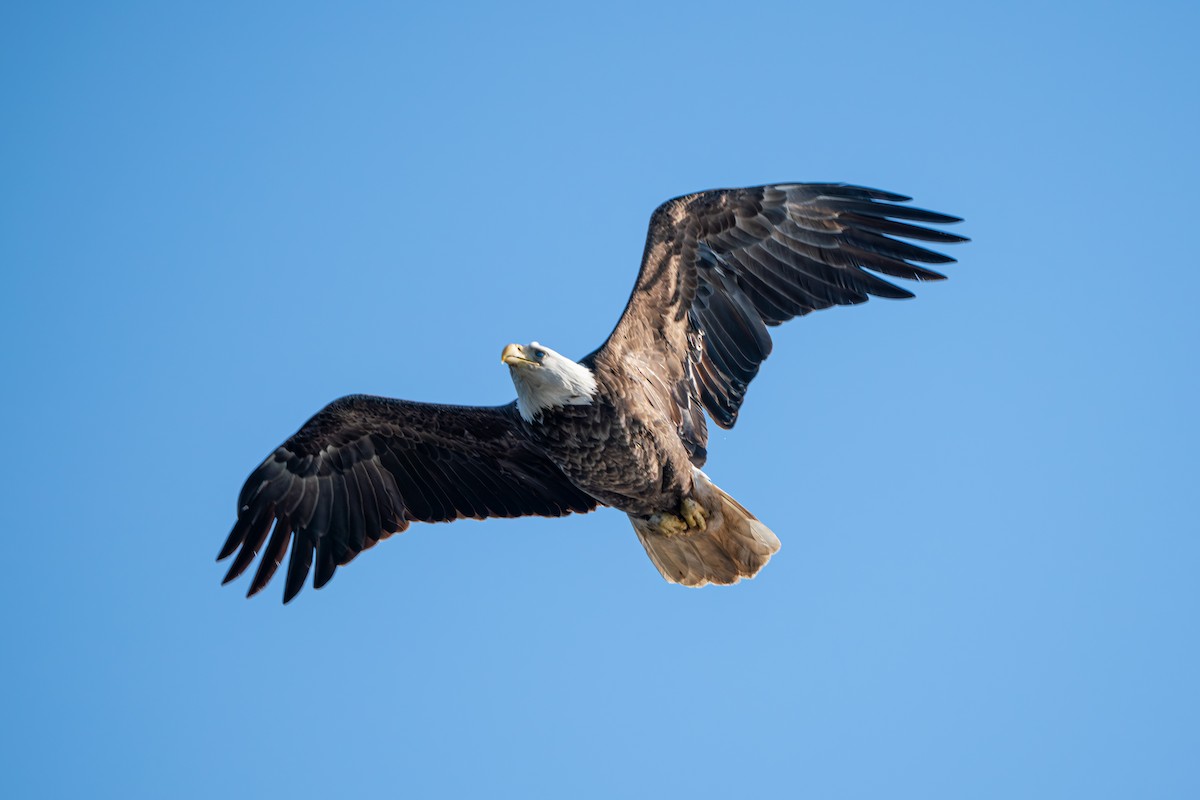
365, 467
720, 266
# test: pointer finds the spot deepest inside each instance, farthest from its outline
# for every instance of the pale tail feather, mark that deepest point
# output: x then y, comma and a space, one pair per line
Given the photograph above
733, 545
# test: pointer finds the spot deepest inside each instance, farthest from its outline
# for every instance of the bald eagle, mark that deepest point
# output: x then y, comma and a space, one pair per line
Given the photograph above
622, 427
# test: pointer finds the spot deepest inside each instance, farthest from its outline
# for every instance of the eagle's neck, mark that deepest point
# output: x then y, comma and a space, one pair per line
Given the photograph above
560, 382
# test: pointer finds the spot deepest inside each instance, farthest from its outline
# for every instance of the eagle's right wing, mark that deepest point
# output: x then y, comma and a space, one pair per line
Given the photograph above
365, 467
721, 266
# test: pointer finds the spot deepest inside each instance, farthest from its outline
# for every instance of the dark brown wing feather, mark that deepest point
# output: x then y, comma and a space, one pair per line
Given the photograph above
365, 467
721, 266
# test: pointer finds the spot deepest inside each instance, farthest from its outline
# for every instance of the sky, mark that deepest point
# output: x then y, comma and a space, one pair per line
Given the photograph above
215, 218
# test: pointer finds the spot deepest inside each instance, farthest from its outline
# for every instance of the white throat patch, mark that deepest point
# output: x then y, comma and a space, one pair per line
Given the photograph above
557, 382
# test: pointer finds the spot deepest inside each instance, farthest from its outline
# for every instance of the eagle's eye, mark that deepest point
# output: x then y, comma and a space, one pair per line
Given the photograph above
539, 353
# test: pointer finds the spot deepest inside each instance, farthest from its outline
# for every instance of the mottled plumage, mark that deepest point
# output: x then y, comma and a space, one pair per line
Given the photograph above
623, 427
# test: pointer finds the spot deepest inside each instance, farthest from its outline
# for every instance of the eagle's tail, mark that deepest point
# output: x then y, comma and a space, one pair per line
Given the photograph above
733, 544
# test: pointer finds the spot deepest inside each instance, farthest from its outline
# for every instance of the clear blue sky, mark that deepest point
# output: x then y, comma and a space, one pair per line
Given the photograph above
215, 218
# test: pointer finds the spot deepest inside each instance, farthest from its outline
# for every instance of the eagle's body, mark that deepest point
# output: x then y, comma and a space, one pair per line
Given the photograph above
623, 427
630, 461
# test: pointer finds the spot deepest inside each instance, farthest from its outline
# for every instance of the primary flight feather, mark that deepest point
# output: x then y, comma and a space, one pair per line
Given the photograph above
624, 426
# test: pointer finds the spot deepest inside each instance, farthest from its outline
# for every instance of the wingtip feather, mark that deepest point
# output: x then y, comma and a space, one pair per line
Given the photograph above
236, 536
298, 567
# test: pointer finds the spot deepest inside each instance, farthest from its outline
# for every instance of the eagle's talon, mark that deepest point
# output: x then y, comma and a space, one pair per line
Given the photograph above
693, 514
668, 524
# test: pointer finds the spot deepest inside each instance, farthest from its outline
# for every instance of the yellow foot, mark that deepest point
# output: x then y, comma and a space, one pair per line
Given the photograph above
668, 524
693, 514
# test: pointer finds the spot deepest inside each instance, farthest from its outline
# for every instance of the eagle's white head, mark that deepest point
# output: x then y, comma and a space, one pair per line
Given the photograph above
546, 379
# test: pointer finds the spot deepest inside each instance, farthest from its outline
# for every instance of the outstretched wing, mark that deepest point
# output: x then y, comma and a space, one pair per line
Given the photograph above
365, 467
721, 266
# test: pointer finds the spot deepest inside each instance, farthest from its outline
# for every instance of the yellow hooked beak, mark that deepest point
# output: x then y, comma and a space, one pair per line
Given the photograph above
514, 355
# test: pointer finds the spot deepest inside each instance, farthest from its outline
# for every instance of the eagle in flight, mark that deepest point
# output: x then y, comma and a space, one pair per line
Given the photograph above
622, 427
